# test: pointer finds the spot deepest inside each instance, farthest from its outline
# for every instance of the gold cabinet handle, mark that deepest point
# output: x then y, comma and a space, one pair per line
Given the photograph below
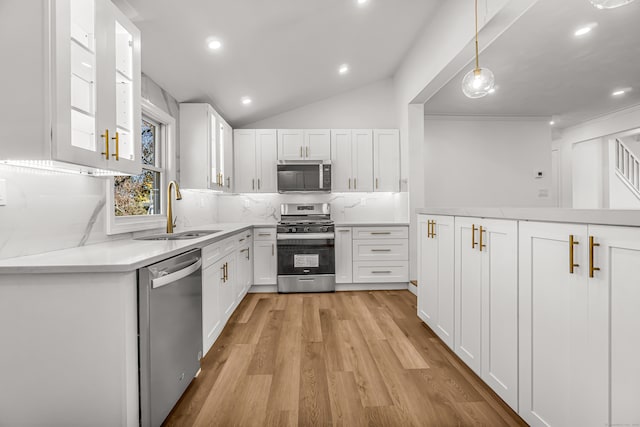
226, 271
473, 236
273, 249
355, 183
377, 186
349, 183
301, 155
258, 183
228, 182
433, 229
308, 151
223, 275
482, 230
572, 244
253, 184
105, 135
592, 268
117, 139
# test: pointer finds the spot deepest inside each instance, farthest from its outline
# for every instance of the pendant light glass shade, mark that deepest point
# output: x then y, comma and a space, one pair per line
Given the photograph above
609, 4
478, 83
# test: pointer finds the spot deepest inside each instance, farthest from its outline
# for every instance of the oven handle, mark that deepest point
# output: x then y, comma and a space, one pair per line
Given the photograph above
308, 236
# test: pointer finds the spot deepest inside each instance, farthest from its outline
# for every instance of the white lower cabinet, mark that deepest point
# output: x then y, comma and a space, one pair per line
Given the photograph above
435, 274
579, 325
265, 262
228, 300
486, 301
244, 264
212, 276
344, 255
380, 254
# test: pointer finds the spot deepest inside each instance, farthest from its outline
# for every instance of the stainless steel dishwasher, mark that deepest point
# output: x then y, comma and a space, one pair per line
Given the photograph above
170, 332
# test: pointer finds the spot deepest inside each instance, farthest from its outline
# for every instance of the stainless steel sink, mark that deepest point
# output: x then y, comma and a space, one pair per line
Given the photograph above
185, 235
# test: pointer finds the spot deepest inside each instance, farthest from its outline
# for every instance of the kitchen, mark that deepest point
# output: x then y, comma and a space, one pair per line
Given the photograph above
415, 167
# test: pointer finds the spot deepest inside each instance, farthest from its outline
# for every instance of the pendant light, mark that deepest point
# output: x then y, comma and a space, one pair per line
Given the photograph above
609, 4
478, 82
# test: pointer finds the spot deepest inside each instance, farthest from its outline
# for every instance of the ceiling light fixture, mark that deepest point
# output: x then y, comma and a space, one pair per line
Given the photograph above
344, 69
619, 93
215, 44
246, 100
362, 1
609, 4
552, 123
479, 81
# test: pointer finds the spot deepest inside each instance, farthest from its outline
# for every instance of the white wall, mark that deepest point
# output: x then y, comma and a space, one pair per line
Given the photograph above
486, 162
620, 122
48, 211
371, 106
589, 168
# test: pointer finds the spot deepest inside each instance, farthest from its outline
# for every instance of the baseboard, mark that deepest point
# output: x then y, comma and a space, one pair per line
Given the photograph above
340, 287
413, 288
263, 289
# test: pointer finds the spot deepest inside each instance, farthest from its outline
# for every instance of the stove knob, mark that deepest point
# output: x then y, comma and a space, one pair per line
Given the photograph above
307, 229
325, 229
292, 230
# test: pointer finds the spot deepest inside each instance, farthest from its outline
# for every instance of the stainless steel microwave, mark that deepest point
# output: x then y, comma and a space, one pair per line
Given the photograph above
304, 177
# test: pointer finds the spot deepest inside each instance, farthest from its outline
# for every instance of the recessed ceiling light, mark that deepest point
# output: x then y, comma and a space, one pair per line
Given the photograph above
215, 44
362, 1
586, 29
246, 100
619, 93
344, 69
552, 123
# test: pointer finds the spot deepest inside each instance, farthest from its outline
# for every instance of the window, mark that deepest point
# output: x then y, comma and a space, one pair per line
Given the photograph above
140, 194
136, 203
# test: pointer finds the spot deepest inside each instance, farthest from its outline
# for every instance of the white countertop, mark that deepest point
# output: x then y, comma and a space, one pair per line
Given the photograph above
118, 255
629, 218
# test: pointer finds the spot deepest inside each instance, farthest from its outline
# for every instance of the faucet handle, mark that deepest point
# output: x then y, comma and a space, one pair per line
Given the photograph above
175, 220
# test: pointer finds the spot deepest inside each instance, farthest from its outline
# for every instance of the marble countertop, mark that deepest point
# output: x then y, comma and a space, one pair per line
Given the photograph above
629, 218
118, 255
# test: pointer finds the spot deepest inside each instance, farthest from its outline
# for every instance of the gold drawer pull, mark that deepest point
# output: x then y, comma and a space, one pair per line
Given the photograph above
117, 139
592, 245
482, 230
105, 135
473, 236
572, 244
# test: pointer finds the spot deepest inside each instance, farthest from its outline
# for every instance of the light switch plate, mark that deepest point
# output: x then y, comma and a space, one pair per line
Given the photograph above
3, 192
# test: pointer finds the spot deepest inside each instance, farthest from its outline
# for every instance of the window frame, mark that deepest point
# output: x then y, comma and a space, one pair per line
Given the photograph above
165, 140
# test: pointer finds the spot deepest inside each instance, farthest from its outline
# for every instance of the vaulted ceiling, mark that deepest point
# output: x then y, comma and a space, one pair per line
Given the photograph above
281, 53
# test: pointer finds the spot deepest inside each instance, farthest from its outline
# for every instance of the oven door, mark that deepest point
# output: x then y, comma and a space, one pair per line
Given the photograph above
299, 257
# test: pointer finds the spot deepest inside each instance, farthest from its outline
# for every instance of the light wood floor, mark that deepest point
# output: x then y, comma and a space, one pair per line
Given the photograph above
347, 359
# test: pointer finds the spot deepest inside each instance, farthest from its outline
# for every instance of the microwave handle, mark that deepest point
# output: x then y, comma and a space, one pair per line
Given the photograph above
321, 179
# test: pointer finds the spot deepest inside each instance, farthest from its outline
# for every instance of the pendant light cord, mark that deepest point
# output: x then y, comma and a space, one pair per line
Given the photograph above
477, 52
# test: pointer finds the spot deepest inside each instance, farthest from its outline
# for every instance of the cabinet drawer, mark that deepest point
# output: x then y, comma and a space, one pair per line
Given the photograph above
377, 272
381, 233
264, 233
244, 238
215, 251
381, 250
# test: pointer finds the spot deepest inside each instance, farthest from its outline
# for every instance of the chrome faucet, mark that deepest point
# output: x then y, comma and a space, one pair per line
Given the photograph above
170, 205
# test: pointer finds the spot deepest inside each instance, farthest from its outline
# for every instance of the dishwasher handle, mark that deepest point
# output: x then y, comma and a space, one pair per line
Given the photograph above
176, 275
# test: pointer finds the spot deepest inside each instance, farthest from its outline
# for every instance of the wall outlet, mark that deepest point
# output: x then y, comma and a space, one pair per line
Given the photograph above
538, 174
3, 192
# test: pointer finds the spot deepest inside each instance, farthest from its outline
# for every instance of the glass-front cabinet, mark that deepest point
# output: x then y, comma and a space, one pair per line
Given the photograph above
90, 115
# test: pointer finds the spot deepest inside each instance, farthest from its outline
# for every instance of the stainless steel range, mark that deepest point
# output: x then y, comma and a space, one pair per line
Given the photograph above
306, 252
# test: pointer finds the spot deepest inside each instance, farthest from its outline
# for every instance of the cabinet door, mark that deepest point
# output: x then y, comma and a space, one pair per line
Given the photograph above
344, 256
436, 275
245, 272
317, 144
212, 282
500, 308
266, 161
265, 262
553, 309
615, 285
468, 292
228, 288
291, 144
245, 160
341, 161
80, 61
225, 154
386, 160
121, 98
362, 159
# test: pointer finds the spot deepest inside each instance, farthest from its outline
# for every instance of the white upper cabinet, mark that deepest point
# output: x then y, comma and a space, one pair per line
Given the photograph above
206, 149
90, 115
255, 160
352, 160
291, 144
308, 144
386, 160
317, 144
